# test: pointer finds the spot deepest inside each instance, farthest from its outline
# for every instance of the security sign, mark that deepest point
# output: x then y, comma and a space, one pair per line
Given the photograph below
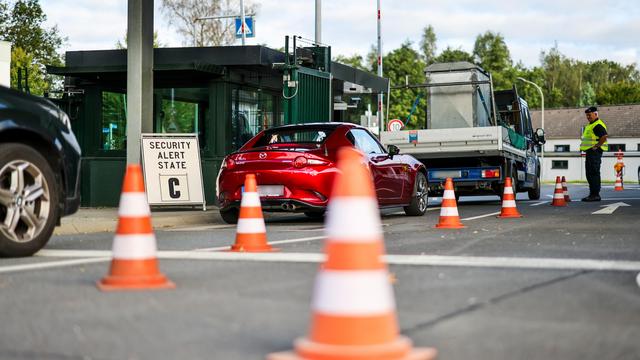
172, 171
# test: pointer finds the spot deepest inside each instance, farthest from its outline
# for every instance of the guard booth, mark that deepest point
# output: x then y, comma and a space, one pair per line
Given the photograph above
225, 95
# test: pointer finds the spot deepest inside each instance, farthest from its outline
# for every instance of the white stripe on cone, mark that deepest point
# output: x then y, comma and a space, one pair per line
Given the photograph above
558, 196
351, 218
353, 293
448, 194
133, 204
508, 190
251, 226
559, 186
508, 203
134, 246
448, 211
250, 199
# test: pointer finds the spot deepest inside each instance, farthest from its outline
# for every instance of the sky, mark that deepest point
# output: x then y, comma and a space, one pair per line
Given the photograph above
586, 29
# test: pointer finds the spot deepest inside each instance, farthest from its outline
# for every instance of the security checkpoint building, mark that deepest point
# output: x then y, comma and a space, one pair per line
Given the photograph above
226, 95
563, 129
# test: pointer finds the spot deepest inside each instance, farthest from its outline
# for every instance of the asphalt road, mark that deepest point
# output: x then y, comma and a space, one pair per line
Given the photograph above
559, 283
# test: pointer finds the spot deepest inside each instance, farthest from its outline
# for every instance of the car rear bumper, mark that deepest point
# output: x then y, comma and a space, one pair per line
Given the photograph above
281, 205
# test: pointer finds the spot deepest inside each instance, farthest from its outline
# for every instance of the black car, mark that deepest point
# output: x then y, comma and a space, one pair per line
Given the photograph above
39, 171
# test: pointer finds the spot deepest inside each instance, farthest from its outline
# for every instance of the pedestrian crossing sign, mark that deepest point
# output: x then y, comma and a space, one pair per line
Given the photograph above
249, 29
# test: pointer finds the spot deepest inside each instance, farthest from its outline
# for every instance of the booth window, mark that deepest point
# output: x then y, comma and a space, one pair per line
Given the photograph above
561, 148
114, 121
252, 112
181, 110
560, 164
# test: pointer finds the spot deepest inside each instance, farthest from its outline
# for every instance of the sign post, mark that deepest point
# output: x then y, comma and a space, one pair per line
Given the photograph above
172, 169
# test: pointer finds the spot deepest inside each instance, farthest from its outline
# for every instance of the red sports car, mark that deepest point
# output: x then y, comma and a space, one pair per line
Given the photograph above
295, 167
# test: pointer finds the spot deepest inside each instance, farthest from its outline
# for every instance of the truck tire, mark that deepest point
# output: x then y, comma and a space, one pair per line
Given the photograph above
29, 205
420, 197
534, 193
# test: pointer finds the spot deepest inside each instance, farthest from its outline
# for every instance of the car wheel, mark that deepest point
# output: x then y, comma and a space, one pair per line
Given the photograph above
28, 200
230, 216
534, 194
420, 199
314, 214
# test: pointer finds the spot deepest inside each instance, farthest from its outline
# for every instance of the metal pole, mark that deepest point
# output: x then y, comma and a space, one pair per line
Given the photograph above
380, 115
318, 21
541, 117
242, 29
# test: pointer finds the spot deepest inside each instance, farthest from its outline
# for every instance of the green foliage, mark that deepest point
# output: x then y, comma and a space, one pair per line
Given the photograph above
619, 93
450, 55
33, 45
354, 60
492, 54
428, 45
400, 65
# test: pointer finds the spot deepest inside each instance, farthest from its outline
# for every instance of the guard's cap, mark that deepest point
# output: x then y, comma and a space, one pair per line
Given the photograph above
591, 109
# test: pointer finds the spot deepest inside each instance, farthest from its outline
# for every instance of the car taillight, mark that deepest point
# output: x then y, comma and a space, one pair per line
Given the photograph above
228, 163
300, 162
492, 173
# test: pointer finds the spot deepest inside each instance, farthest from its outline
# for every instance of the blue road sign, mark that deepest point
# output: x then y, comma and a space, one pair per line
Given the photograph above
249, 29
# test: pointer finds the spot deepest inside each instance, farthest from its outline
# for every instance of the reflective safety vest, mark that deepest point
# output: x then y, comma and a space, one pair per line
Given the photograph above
589, 138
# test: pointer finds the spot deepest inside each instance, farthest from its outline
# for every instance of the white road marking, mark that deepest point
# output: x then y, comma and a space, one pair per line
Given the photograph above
220, 248
638, 279
549, 196
539, 203
481, 216
53, 264
415, 260
201, 228
609, 209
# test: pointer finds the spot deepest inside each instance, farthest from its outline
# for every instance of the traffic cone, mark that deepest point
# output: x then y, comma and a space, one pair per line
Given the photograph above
558, 194
251, 233
134, 265
354, 315
565, 191
509, 209
618, 186
449, 218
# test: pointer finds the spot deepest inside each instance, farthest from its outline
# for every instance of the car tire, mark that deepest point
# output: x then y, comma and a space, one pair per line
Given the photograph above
420, 197
29, 205
230, 216
314, 214
534, 193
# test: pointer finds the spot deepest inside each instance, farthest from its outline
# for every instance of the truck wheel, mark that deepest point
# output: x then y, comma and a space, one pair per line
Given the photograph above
28, 200
230, 216
534, 194
420, 198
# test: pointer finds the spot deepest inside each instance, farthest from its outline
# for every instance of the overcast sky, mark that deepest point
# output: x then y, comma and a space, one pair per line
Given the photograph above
584, 29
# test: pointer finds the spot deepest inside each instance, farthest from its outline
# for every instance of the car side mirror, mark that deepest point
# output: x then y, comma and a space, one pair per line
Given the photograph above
539, 136
393, 150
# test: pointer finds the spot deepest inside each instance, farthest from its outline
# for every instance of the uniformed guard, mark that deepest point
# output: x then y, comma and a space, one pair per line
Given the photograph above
594, 143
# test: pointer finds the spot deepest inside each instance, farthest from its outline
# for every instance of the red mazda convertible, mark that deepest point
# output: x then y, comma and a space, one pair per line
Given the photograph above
295, 166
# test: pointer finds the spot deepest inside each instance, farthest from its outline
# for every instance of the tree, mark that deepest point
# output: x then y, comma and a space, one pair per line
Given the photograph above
619, 93
33, 44
450, 55
400, 65
354, 60
428, 44
492, 53
184, 15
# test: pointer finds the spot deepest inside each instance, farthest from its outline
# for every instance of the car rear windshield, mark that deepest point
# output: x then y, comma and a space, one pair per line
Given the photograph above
294, 136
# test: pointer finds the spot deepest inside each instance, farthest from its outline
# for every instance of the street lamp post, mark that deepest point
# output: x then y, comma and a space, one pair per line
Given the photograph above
542, 116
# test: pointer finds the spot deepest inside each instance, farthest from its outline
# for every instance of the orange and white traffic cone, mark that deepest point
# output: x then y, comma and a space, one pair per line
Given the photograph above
565, 190
354, 315
134, 265
618, 186
558, 194
251, 233
449, 218
509, 209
